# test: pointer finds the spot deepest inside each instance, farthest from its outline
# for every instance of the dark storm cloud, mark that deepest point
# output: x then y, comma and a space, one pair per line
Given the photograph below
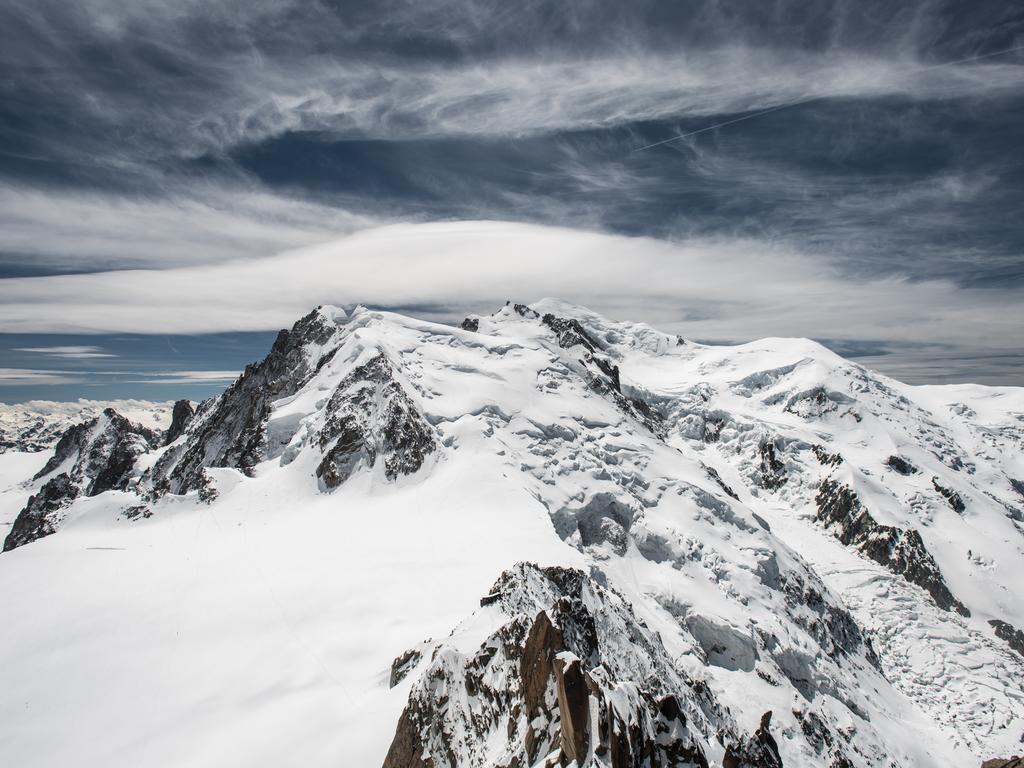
176, 133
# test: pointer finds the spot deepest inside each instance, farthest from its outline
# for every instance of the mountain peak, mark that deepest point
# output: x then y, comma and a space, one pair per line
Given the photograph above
736, 530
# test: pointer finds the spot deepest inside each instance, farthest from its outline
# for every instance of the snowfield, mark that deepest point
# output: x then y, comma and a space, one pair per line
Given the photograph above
773, 527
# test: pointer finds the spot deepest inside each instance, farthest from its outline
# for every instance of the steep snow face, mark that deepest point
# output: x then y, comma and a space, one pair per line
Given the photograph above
791, 533
38, 424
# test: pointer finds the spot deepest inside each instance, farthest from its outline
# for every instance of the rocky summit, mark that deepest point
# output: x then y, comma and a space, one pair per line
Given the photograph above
538, 538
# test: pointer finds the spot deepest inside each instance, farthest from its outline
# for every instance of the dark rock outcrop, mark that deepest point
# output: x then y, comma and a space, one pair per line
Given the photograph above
525, 311
571, 669
96, 456
181, 417
370, 416
403, 665
900, 550
569, 332
952, 498
1002, 762
230, 431
471, 324
757, 751
42, 514
901, 465
714, 475
1006, 631
773, 471
39, 434
825, 458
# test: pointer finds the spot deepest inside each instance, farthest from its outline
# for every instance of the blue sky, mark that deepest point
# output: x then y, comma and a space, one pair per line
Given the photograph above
155, 150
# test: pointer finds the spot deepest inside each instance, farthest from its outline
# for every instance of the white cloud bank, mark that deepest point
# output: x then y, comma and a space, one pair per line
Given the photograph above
92, 230
715, 289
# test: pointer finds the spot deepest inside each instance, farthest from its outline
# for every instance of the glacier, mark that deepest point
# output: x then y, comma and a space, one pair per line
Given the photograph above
543, 536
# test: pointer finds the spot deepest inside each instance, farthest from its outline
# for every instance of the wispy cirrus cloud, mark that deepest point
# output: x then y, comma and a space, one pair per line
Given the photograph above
182, 151
31, 377
80, 230
19, 377
186, 377
70, 352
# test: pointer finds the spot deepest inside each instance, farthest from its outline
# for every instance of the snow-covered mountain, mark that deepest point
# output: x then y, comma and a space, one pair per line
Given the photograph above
38, 424
541, 537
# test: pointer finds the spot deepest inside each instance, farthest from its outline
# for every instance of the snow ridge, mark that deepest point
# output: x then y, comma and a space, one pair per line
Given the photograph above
722, 532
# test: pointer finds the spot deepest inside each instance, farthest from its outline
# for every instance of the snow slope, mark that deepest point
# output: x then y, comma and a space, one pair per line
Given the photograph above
356, 494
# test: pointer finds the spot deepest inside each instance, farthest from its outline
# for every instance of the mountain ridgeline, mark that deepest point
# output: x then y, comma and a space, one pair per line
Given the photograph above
779, 557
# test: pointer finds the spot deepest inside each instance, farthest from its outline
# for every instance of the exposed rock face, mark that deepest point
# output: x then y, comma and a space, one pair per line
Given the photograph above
371, 417
95, 456
403, 665
471, 324
569, 332
758, 751
230, 431
952, 498
1006, 631
525, 311
101, 452
901, 465
571, 675
714, 475
900, 550
180, 419
31, 436
43, 513
773, 471
825, 458
1012, 762
38, 425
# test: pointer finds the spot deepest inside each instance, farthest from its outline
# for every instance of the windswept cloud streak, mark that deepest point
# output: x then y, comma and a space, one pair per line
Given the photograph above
70, 352
705, 289
92, 230
21, 377
187, 377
